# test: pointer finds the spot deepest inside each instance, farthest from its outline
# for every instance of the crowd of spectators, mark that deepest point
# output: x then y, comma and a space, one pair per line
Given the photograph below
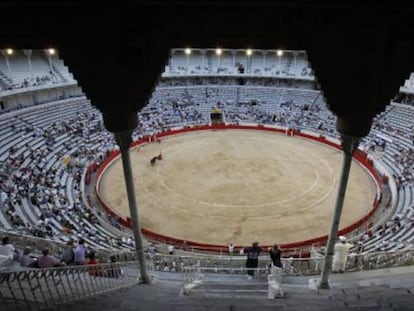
32, 181
229, 81
162, 115
400, 221
36, 176
72, 255
46, 79
284, 65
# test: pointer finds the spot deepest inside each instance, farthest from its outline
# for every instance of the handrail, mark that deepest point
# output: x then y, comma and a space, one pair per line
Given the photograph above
22, 241
291, 266
37, 289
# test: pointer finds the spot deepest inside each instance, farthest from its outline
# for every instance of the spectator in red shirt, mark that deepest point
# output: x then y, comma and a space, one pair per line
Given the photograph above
93, 265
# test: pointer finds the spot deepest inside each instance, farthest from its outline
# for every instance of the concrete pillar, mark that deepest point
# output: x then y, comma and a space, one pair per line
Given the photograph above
349, 145
124, 140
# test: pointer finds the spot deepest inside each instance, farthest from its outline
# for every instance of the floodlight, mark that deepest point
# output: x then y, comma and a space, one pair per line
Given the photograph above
187, 51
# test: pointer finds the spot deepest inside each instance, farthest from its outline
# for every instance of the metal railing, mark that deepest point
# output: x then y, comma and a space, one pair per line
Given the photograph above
22, 241
38, 289
212, 280
291, 266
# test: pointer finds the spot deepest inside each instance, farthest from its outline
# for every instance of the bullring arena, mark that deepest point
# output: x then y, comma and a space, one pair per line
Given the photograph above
237, 186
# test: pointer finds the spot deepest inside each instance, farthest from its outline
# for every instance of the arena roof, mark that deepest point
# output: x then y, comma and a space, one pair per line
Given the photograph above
361, 51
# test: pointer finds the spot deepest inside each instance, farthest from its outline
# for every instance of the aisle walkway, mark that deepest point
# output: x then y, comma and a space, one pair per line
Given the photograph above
387, 289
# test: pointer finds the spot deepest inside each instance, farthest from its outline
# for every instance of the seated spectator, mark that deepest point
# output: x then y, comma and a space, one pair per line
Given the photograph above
48, 261
26, 260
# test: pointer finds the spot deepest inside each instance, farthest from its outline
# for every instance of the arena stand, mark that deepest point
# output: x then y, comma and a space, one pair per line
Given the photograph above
204, 62
52, 147
64, 145
29, 68
171, 106
44, 155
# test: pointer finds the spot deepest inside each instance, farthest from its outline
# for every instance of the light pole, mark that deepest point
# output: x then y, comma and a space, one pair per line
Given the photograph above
279, 54
28, 54
218, 53
8, 53
187, 52
249, 53
50, 53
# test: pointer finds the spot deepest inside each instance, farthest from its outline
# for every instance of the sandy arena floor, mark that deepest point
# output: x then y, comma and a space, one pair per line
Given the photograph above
238, 186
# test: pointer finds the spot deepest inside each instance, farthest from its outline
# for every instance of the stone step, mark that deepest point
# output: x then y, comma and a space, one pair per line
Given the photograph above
238, 286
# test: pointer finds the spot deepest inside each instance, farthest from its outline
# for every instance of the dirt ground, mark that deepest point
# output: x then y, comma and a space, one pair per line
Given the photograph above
238, 186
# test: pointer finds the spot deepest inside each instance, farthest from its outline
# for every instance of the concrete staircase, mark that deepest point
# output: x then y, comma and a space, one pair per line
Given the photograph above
391, 290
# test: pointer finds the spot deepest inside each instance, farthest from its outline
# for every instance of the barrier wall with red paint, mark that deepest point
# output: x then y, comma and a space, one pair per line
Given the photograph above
359, 156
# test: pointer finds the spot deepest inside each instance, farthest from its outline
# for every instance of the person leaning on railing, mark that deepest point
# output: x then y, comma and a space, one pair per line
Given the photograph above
275, 253
252, 261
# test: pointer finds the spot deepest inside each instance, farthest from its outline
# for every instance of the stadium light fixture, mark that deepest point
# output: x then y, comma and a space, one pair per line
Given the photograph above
279, 53
249, 52
51, 51
187, 51
9, 51
219, 51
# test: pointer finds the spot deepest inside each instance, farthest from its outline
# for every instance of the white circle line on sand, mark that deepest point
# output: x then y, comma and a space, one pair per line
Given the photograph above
294, 196
306, 207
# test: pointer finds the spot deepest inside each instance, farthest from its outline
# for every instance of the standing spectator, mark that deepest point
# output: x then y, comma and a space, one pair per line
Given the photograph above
48, 261
275, 253
360, 248
230, 248
80, 253
114, 270
7, 252
151, 250
252, 261
170, 249
341, 254
68, 256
